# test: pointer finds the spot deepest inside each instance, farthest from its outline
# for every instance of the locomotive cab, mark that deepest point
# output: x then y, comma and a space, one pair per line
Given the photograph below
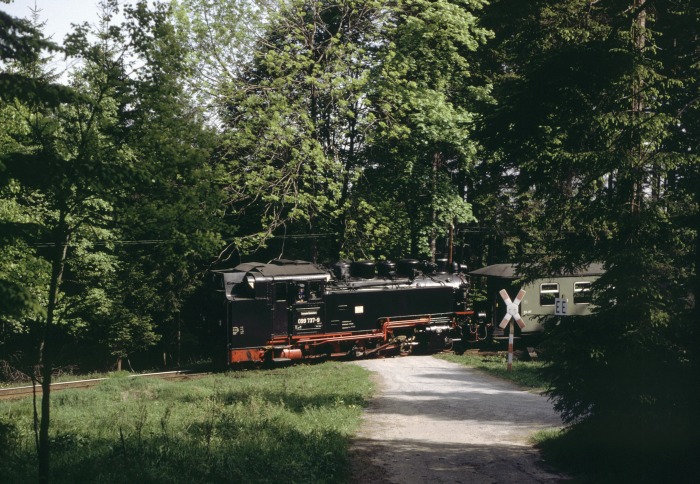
266, 304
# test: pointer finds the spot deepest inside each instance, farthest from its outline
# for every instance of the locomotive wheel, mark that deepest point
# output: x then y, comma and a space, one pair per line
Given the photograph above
449, 344
406, 348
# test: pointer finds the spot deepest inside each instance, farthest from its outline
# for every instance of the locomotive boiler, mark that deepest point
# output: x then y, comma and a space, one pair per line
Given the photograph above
288, 310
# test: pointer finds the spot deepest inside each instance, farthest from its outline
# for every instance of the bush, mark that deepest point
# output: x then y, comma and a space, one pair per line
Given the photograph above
600, 368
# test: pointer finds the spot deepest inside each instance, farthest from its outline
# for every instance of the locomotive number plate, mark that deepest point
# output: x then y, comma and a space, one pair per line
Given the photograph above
307, 319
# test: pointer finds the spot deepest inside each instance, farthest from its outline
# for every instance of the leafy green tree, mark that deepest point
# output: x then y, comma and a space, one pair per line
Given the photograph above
22, 44
296, 118
222, 37
177, 200
338, 104
164, 207
126, 157
424, 98
63, 164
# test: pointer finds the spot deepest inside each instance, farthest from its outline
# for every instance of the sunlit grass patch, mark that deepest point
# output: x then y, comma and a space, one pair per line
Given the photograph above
524, 373
292, 424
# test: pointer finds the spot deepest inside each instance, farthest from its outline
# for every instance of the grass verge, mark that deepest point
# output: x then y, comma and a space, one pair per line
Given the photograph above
525, 373
292, 424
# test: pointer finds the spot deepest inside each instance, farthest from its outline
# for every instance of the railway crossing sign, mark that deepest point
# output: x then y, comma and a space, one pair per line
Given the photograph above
511, 313
512, 309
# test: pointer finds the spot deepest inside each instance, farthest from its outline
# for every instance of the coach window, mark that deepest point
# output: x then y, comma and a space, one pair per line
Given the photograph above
582, 292
548, 293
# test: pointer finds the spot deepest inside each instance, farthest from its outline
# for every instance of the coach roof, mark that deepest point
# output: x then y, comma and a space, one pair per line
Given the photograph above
509, 271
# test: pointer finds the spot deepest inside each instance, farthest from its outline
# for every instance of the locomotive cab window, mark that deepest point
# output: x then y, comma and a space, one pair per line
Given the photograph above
582, 292
281, 291
314, 290
548, 293
301, 292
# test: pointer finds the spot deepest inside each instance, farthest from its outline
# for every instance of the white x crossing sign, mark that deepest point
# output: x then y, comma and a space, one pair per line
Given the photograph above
512, 309
511, 313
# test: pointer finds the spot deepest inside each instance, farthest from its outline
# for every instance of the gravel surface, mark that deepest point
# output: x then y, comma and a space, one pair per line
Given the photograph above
436, 421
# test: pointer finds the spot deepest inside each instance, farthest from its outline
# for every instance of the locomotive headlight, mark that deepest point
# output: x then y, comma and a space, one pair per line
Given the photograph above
251, 281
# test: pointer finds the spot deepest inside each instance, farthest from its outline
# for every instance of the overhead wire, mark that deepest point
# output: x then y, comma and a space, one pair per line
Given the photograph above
170, 241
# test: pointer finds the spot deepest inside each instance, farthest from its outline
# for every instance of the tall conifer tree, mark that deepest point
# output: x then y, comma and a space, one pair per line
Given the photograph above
592, 120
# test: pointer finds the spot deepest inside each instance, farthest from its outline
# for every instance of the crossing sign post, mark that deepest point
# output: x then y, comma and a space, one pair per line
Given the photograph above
511, 313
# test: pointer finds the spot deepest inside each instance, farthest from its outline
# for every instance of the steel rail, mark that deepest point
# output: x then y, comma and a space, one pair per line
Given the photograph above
17, 392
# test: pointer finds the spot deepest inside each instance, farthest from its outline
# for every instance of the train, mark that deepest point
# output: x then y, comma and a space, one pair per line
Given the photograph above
291, 310
540, 295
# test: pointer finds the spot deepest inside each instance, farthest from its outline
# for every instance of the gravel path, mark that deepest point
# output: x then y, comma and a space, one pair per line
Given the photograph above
436, 421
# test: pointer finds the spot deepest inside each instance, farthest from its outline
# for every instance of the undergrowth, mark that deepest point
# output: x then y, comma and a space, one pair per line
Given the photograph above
628, 449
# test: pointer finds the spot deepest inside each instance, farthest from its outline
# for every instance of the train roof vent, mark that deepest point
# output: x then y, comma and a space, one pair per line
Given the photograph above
408, 267
363, 269
386, 268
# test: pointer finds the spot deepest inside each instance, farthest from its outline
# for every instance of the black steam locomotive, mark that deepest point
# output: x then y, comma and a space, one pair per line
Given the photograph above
291, 310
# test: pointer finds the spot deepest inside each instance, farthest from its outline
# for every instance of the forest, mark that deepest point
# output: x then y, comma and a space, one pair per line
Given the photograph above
195, 134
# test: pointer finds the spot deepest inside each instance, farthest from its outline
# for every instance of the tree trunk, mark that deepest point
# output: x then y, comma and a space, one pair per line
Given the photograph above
44, 450
695, 288
47, 350
637, 171
450, 252
433, 215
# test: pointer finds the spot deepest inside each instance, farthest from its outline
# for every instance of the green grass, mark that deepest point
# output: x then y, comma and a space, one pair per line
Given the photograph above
524, 373
290, 424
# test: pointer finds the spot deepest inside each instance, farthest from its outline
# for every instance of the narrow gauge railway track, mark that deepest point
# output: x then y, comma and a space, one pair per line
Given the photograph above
23, 391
